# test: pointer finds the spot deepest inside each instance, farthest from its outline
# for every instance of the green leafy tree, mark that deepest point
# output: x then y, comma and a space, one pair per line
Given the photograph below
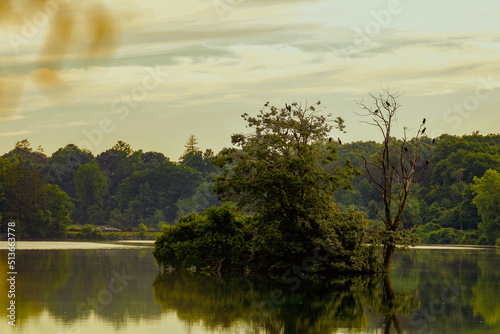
279, 174
191, 145
23, 149
63, 163
24, 198
166, 185
40, 210
202, 199
91, 187
196, 159
118, 163
487, 200
58, 206
151, 160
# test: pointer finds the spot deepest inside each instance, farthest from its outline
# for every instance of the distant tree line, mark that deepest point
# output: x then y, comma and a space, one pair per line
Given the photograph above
454, 200
119, 188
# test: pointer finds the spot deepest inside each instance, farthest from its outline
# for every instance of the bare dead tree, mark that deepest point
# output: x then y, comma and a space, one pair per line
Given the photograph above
393, 172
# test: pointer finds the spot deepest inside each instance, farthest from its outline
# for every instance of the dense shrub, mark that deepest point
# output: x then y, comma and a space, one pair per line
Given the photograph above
88, 231
213, 240
470, 238
445, 236
424, 231
223, 239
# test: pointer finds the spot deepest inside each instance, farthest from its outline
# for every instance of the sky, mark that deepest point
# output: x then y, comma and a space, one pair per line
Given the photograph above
153, 72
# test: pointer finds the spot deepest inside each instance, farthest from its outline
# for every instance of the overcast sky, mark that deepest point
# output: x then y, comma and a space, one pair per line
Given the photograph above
151, 72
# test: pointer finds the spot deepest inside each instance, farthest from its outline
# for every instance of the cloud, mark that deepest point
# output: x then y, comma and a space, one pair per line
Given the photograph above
12, 118
14, 133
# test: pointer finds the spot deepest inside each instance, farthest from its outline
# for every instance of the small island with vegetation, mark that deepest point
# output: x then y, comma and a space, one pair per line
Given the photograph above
286, 194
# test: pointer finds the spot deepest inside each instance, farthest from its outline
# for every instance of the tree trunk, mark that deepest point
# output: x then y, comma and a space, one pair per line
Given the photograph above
389, 252
391, 317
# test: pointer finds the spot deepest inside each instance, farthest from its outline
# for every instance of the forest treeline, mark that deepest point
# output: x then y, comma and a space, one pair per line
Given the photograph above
455, 199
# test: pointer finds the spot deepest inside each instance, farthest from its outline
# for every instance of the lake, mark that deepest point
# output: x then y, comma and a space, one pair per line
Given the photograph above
96, 288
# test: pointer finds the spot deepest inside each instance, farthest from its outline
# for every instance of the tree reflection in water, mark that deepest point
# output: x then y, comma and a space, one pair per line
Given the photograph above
260, 306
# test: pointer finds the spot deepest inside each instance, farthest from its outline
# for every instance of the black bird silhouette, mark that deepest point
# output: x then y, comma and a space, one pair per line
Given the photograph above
340, 141
388, 104
406, 149
330, 140
286, 133
376, 111
423, 122
433, 140
423, 130
289, 108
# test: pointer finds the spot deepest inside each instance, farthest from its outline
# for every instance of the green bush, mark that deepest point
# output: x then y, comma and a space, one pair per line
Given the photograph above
87, 229
470, 238
89, 232
497, 243
223, 239
424, 231
214, 239
445, 236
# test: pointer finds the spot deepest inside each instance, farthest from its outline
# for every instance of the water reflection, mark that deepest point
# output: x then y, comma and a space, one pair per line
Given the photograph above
114, 285
272, 307
120, 291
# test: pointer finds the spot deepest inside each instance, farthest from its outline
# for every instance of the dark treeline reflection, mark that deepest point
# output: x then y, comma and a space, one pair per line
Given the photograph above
273, 307
458, 290
435, 291
114, 285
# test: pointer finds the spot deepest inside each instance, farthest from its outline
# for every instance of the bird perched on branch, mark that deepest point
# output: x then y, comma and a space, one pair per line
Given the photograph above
289, 108
423, 130
375, 112
388, 104
405, 148
330, 140
433, 140
423, 122
340, 141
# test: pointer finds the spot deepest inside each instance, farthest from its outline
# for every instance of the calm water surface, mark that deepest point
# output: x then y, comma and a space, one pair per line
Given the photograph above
99, 288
